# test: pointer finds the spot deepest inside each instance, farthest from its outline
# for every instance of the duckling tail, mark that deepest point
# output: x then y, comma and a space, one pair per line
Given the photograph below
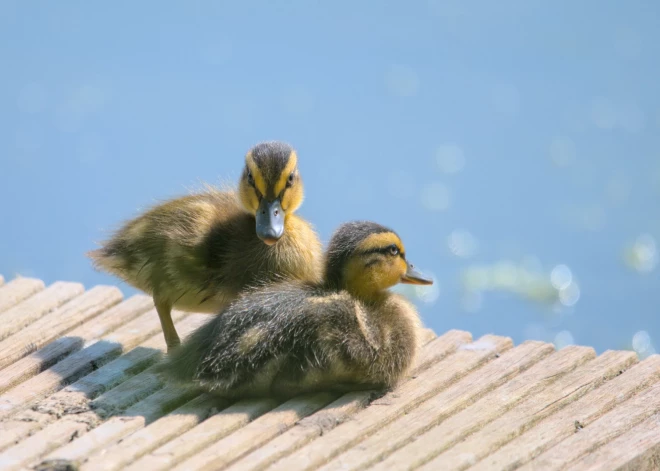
107, 259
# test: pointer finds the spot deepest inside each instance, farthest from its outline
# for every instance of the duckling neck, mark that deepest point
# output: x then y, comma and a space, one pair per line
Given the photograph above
367, 295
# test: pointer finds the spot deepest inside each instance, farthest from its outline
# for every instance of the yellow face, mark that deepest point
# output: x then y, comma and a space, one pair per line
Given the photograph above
271, 188
379, 262
286, 186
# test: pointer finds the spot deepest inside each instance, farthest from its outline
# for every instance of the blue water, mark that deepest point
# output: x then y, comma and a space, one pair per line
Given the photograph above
500, 139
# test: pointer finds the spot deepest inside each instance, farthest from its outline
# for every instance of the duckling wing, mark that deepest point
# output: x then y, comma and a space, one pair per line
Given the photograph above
285, 336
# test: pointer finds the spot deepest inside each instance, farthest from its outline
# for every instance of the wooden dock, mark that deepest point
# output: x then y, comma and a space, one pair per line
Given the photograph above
77, 388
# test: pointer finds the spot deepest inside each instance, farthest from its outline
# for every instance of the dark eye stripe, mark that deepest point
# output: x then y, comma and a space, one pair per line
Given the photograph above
382, 251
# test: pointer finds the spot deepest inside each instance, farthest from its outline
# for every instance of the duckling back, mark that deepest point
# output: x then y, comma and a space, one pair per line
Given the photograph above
289, 338
199, 251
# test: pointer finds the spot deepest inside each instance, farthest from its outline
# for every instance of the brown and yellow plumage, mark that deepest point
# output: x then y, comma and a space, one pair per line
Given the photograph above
197, 252
345, 333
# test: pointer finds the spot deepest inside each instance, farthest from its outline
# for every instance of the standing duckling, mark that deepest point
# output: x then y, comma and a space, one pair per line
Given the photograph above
283, 339
197, 252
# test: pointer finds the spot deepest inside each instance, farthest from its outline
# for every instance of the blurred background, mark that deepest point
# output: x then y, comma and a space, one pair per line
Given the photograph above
514, 145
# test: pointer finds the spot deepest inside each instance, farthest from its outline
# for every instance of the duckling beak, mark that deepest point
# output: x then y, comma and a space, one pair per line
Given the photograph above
270, 221
413, 277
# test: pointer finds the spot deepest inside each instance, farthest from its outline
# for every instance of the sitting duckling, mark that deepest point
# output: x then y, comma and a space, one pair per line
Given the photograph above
283, 339
197, 252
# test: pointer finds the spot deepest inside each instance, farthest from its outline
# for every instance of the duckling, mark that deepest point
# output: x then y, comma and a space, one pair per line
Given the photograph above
343, 334
197, 252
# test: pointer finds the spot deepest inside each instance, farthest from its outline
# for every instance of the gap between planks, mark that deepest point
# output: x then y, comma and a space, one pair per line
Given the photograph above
485, 394
580, 413
404, 399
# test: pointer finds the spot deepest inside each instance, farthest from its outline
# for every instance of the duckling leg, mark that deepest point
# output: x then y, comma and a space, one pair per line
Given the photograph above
164, 310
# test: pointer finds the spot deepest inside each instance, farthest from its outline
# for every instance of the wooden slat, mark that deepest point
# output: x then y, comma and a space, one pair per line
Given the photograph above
36, 306
60, 431
77, 397
134, 418
452, 341
211, 430
157, 433
600, 432
13, 431
438, 408
17, 290
453, 428
58, 322
253, 435
19, 455
106, 322
395, 403
530, 411
638, 450
340, 410
580, 413
439, 347
78, 364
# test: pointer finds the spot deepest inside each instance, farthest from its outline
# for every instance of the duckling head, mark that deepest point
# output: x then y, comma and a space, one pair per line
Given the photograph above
270, 187
366, 258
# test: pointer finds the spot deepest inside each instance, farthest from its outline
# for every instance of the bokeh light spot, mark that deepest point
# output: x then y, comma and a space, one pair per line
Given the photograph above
435, 197
561, 277
462, 243
563, 339
642, 254
569, 295
450, 158
642, 344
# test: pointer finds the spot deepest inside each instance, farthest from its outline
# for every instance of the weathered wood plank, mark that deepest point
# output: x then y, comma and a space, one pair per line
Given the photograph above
439, 347
211, 430
254, 434
340, 410
60, 431
58, 322
450, 401
636, 450
134, 418
454, 428
123, 453
600, 432
17, 290
32, 447
530, 411
75, 365
76, 398
23, 314
580, 413
115, 316
396, 403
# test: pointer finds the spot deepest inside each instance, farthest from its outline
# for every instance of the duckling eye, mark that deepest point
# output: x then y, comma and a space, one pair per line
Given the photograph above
292, 176
250, 179
394, 250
